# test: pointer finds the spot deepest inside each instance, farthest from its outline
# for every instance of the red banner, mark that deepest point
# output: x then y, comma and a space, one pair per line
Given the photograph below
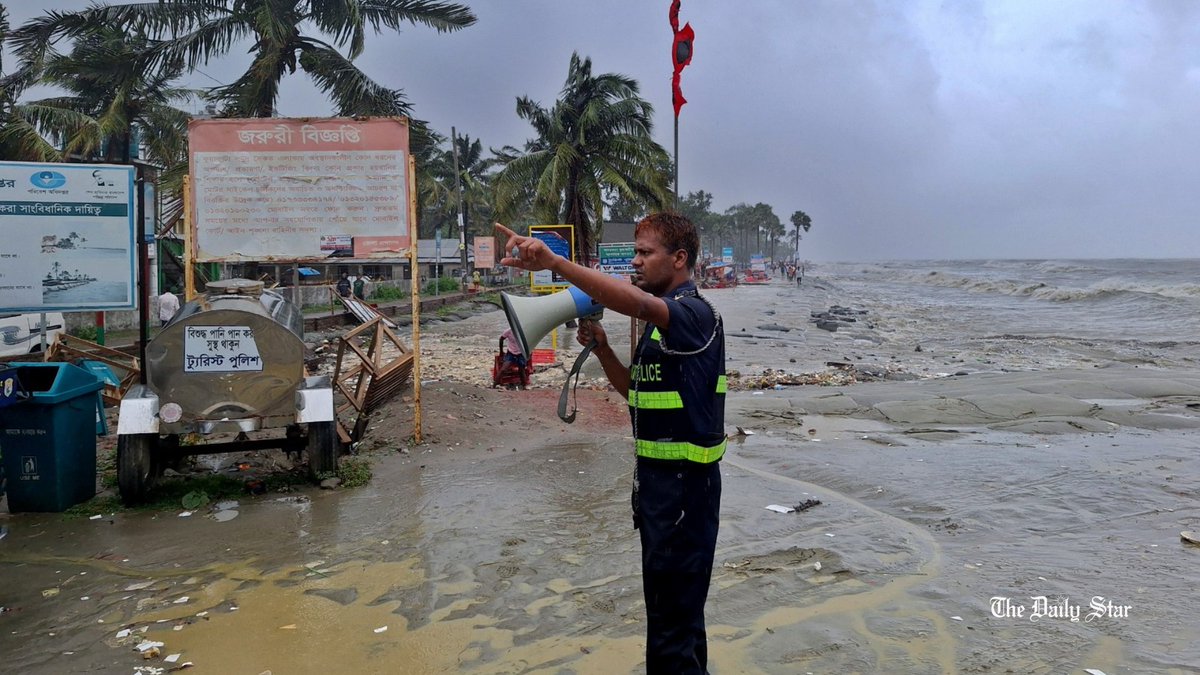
681, 54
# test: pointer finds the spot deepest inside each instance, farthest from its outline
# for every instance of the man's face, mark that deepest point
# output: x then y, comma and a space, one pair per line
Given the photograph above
653, 265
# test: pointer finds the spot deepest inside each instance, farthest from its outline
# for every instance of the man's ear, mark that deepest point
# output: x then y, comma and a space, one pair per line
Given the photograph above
680, 259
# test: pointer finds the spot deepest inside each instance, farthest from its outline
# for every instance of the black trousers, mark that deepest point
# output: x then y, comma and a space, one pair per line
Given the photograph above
676, 511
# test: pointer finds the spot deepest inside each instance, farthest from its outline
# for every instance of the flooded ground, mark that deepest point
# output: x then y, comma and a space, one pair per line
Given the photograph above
966, 525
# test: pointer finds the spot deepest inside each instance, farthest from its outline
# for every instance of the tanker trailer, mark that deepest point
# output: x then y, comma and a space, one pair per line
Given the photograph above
228, 363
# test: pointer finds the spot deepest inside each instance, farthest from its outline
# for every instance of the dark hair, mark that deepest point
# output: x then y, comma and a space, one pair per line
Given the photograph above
675, 232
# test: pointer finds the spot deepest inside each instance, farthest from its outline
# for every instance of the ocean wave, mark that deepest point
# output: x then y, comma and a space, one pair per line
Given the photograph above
1100, 290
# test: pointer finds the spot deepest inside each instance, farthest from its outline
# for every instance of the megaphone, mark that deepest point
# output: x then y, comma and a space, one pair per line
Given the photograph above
532, 319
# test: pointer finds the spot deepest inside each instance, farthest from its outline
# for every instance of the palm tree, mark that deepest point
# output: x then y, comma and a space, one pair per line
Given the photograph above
194, 31
114, 91
800, 221
596, 138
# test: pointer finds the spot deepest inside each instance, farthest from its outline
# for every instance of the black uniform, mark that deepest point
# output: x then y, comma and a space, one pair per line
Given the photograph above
677, 404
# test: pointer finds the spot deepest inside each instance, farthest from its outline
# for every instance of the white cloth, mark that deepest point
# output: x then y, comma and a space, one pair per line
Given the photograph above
168, 304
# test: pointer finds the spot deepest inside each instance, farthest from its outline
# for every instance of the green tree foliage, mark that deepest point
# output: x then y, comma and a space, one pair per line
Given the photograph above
285, 35
595, 138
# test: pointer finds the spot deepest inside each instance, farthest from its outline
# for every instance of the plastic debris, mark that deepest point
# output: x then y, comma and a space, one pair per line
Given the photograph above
139, 586
817, 566
172, 658
95, 517
1190, 537
381, 629
185, 514
779, 509
957, 618
1093, 671
181, 600
225, 516
50, 592
124, 632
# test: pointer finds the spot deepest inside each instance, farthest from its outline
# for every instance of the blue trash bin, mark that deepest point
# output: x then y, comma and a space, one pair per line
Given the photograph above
48, 436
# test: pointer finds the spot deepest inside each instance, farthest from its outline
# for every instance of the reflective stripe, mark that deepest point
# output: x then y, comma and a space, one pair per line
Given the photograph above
655, 335
720, 384
655, 400
688, 451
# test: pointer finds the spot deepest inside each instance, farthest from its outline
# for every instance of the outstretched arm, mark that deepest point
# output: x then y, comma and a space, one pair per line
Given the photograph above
530, 253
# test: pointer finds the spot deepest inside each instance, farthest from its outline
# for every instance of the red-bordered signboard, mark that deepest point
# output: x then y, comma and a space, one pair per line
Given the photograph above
272, 189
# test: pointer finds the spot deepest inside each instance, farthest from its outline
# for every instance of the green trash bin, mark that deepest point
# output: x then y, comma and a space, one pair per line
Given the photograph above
48, 436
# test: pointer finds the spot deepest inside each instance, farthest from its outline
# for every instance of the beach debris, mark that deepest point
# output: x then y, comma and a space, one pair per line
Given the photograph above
744, 432
817, 566
185, 514
957, 618
779, 509
381, 629
1190, 537
95, 517
172, 658
50, 592
1094, 671
806, 505
290, 626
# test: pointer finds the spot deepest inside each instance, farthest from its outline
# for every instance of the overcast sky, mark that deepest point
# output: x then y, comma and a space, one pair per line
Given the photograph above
904, 128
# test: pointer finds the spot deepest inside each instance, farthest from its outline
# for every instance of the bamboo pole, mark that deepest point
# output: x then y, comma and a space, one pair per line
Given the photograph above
189, 272
416, 296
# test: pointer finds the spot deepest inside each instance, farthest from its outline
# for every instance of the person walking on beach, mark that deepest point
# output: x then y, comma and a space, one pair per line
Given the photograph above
676, 393
168, 304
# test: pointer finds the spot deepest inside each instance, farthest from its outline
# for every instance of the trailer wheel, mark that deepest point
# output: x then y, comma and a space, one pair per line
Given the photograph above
322, 448
135, 466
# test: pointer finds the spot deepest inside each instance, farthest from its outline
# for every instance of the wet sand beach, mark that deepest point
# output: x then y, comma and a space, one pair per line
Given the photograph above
1007, 519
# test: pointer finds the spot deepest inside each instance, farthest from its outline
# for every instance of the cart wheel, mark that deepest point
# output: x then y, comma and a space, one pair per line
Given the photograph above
135, 466
322, 448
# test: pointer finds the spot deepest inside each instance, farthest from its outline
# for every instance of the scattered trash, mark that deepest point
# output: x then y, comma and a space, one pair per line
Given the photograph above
185, 514
817, 566
290, 626
181, 600
139, 586
50, 592
124, 632
1093, 671
224, 516
185, 664
381, 629
1190, 537
779, 509
828, 534
172, 658
807, 504
226, 505
95, 517
3, 531
957, 618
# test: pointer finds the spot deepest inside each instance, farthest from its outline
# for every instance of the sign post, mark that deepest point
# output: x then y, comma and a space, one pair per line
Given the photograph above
68, 232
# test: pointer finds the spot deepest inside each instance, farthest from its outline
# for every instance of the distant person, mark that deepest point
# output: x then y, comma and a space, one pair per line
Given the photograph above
343, 285
477, 280
168, 305
360, 287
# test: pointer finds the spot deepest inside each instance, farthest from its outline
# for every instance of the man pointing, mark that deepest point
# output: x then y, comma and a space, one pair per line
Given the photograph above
676, 392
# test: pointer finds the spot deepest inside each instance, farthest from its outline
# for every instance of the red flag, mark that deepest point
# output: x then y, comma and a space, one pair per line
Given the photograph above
681, 54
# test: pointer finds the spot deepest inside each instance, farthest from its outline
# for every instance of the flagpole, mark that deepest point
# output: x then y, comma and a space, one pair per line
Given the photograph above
677, 162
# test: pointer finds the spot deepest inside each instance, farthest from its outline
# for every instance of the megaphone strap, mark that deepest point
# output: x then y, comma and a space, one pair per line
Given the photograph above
562, 399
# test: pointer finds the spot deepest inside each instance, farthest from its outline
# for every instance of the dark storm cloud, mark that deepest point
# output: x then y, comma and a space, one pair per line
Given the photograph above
921, 129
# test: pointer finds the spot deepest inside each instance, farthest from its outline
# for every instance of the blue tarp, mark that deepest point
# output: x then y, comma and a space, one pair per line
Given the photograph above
308, 272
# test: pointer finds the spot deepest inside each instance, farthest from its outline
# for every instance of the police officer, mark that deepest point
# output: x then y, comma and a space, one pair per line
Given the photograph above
676, 392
